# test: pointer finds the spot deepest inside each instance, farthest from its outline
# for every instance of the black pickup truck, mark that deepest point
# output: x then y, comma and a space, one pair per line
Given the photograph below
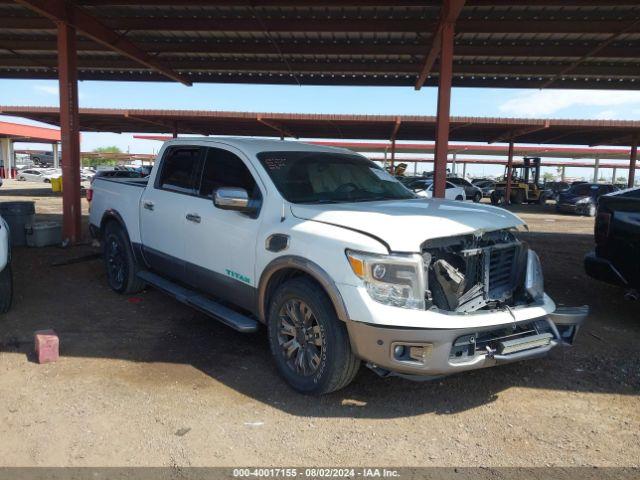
616, 258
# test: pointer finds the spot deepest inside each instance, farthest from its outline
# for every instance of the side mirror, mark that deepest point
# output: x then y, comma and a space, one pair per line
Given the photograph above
232, 198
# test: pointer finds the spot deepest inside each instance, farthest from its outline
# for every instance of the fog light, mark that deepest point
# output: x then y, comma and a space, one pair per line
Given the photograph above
398, 351
419, 354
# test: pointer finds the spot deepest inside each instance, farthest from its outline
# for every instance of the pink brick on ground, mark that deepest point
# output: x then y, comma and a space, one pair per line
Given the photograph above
47, 346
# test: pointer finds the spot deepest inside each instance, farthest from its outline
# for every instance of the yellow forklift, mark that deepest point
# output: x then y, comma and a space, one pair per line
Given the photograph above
525, 184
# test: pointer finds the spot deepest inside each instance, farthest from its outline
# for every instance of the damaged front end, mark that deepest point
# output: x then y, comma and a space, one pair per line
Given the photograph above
484, 271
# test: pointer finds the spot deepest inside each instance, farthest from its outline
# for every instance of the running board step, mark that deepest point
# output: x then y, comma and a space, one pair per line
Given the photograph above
229, 317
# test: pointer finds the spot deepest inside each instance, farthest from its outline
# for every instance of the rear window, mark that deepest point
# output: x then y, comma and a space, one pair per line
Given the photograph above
584, 189
179, 167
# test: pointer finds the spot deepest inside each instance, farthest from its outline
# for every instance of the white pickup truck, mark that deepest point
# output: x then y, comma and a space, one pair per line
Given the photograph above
337, 258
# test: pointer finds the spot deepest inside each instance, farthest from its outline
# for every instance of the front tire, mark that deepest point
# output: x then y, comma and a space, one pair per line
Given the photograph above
119, 261
459, 198
309, 343
477, 197
6, 289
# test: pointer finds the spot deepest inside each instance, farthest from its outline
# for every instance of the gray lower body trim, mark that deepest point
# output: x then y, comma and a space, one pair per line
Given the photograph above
375, 344
204, 280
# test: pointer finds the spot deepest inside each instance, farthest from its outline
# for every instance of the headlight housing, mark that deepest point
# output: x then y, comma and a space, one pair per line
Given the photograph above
534, 282
583, 200
396, 280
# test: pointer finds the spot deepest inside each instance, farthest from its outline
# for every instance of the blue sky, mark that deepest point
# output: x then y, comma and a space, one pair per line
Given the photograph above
582, 104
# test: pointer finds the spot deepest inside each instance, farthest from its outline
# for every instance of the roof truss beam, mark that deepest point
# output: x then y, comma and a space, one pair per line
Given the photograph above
612, 38
513, 134
448, 15
283, 131
64, 12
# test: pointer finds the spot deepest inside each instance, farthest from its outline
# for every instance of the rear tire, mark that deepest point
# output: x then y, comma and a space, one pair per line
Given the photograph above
518, 197
119, 261
6, 289
308, 341
477, 197
459, 198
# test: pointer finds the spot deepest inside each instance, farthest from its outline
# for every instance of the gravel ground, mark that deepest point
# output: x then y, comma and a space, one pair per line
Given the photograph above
145, 381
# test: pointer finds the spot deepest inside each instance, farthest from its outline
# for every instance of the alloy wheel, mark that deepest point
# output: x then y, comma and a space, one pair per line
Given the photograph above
300, 337
116, 262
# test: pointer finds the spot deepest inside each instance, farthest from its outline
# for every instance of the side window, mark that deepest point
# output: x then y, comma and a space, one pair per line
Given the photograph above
179, 166
224, 169
450, 185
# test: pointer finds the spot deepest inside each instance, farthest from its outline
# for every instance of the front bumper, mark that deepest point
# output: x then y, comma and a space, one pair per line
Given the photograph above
448, 351
579, 208
603, 270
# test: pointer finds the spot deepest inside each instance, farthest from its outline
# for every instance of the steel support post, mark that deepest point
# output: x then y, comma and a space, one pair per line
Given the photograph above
507, 191
70, 133
444, 107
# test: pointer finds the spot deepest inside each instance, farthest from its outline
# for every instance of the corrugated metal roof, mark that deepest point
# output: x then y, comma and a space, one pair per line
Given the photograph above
378, 127
497, 44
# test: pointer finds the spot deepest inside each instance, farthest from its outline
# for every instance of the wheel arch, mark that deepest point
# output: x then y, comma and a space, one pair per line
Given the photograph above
284, 268
111, 215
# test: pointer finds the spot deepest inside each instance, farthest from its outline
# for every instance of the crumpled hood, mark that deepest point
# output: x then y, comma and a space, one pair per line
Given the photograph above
405, 224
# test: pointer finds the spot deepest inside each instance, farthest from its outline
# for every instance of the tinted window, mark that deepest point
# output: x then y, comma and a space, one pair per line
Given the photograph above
450, 185
179, 167
583, 189
224, 169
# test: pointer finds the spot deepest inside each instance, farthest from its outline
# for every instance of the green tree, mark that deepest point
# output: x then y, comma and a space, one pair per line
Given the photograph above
548, 177
110, 149
98, 160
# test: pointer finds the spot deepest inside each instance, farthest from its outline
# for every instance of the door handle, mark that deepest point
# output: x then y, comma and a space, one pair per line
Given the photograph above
193, 217
148, 205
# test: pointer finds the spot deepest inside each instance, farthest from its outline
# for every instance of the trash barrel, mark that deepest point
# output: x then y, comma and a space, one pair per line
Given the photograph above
17, 215
56, 184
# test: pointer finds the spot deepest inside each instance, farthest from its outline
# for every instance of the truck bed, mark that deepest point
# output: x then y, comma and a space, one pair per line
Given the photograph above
121, 195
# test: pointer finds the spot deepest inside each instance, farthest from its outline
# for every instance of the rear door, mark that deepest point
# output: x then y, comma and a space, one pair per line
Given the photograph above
163, 209
221, 244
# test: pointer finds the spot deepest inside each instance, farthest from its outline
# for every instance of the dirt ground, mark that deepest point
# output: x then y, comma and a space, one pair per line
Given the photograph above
146, 381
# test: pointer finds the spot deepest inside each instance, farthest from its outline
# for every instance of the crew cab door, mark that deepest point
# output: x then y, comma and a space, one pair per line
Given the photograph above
163, 207
221, 244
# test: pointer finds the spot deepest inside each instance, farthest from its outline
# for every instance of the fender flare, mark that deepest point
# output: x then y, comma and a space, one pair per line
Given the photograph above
111, 214
311, 269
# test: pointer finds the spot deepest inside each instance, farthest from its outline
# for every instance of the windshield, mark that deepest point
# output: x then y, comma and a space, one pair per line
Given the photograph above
583, 189
323, 177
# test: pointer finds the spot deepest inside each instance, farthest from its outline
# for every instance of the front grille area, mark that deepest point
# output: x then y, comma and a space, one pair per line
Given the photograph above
502, 270
473, 272
467, 347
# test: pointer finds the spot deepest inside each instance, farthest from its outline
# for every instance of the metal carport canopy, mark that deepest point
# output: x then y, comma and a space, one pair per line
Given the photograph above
500, 43
373, 127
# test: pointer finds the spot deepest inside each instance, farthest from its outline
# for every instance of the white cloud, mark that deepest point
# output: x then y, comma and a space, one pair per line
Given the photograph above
48, 89
606, 115
546, 102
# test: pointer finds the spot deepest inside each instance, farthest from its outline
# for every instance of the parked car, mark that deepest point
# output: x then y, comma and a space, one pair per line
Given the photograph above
340, 261
37, 175
554, 189
582, 198
471, 192
616, 258
43, 159
424, 188
6, 277
487, 186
